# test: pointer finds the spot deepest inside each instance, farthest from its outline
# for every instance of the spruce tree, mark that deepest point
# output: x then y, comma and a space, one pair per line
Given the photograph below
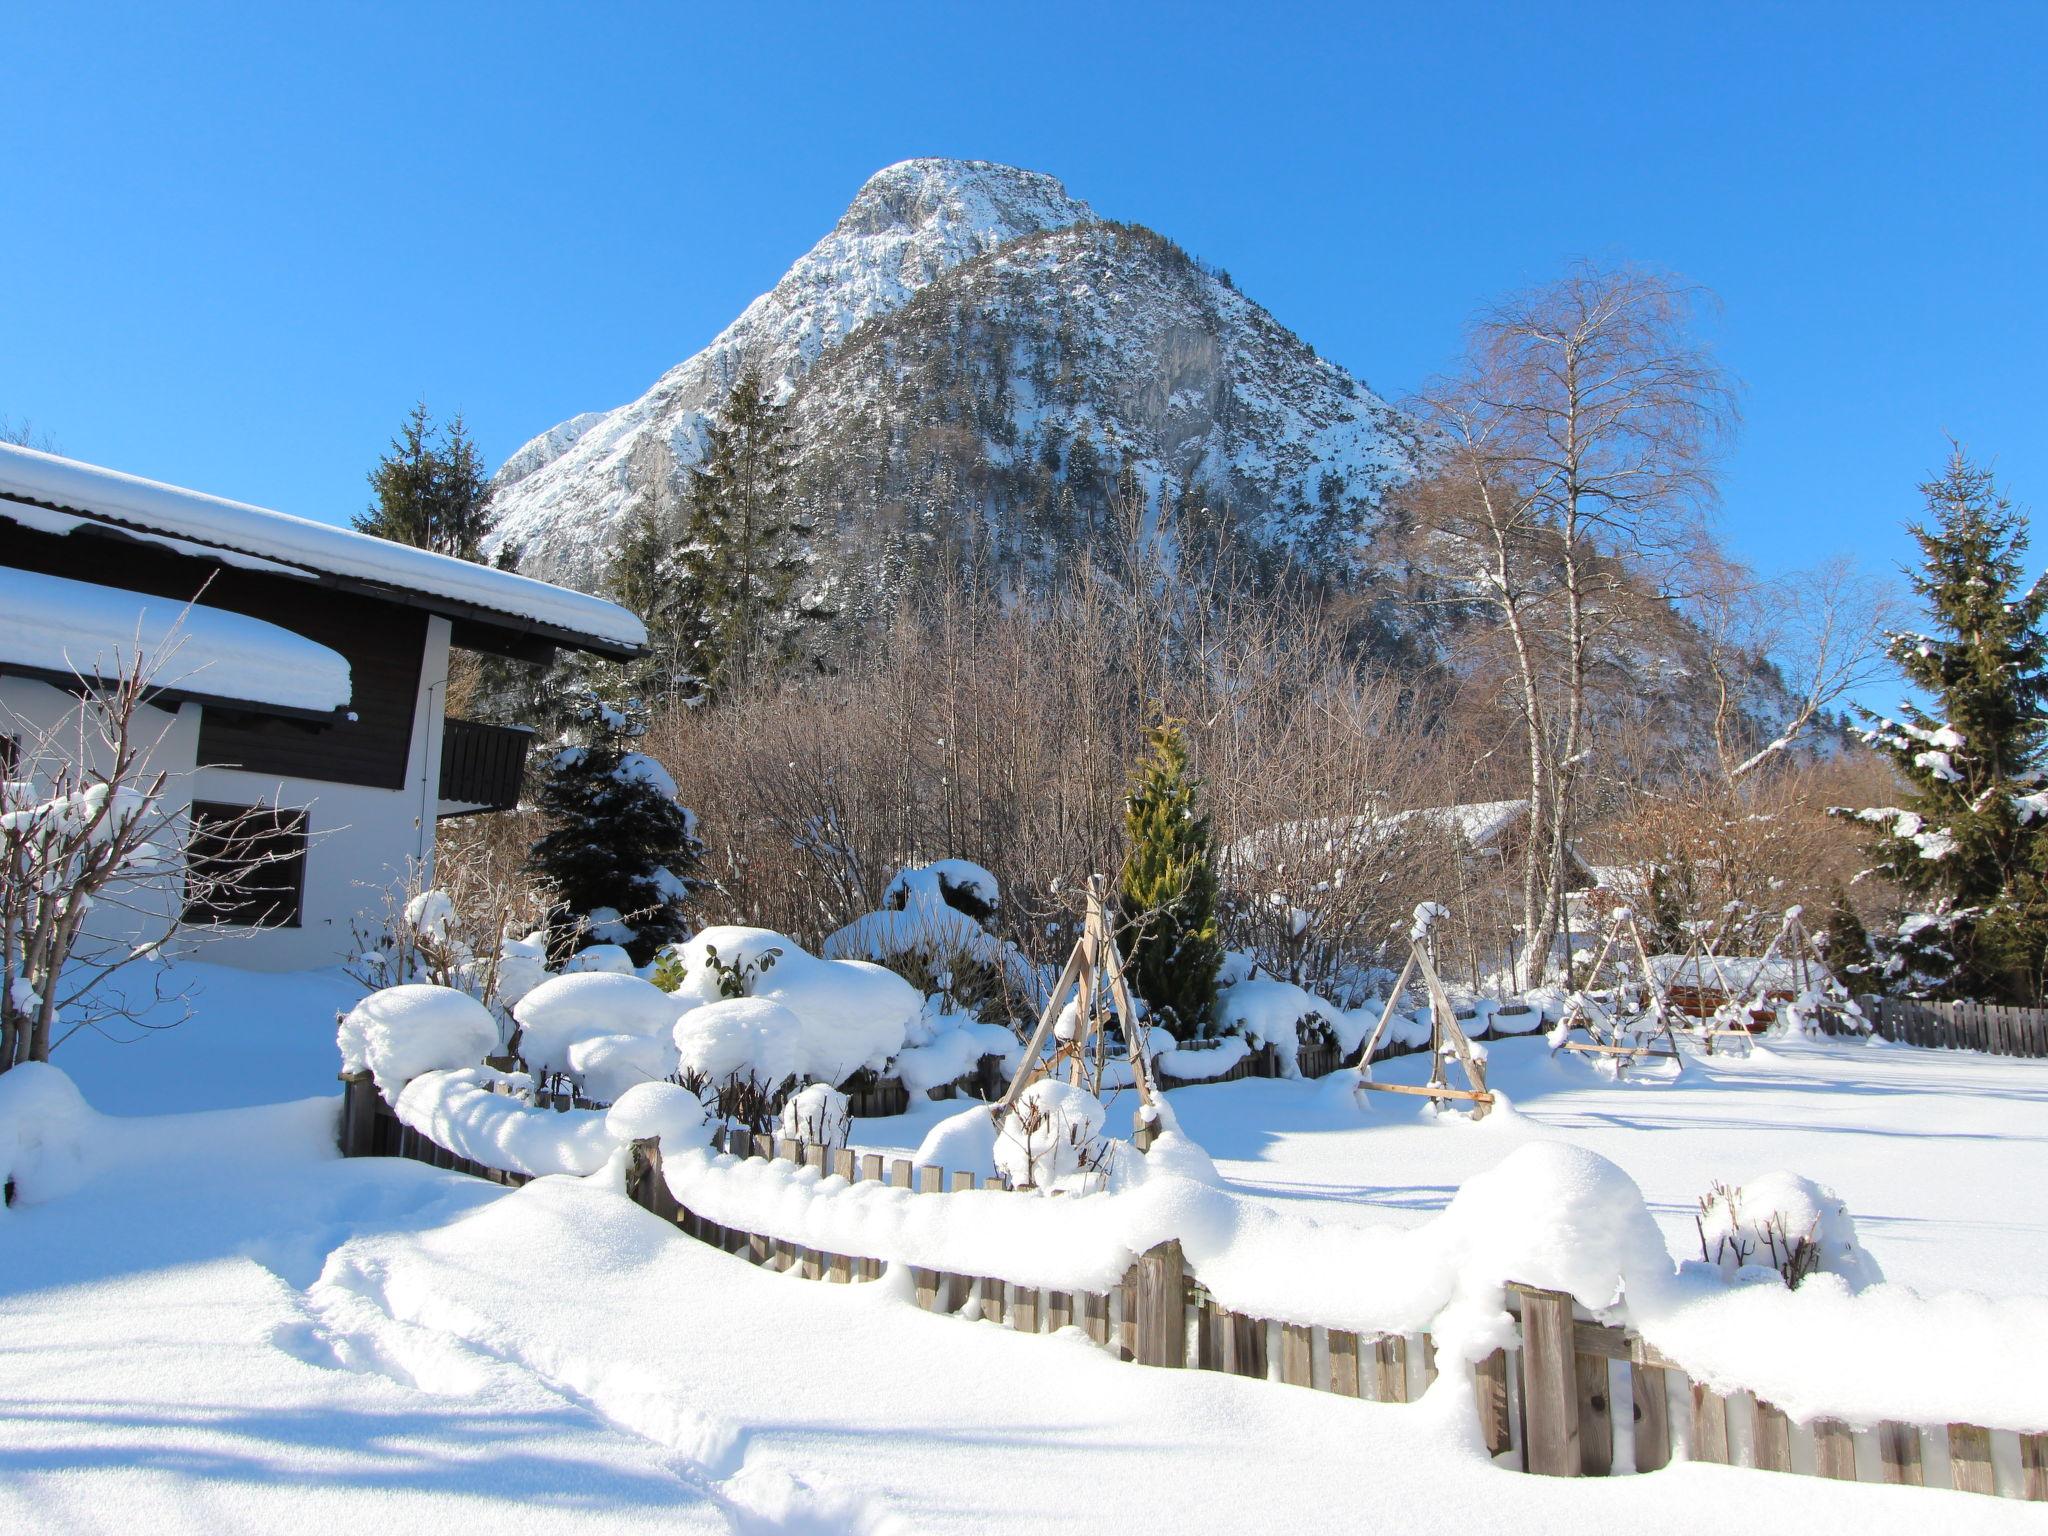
431, 489
744, 541
1970, 842
620, 854
1167, 894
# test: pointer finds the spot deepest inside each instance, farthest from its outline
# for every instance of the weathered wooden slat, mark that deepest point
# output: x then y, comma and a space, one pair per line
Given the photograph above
1550, 1399
1389, 1358
1024, 1309
1773, 1439
1092, 1312
1596, 1415
1344, 1363
2034, 1467
1296, 1355
1059, 1311
1834, 1450
1490, 1388
1898, 1452
1709, 1425
1649, 1386
1248, 1346
1969, 1459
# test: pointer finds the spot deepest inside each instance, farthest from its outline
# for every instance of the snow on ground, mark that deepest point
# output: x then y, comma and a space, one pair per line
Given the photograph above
233, 1330
1941, 1156
252, 1037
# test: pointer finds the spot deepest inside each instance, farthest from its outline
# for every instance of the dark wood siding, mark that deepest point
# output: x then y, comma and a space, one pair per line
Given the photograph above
384, 644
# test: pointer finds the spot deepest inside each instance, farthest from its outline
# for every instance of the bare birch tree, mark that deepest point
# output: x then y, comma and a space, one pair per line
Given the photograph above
1572, 467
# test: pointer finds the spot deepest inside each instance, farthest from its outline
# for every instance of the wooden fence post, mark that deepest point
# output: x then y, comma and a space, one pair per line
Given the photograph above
358, 1131
1650, 1386
1969, 1459
1490, 1387
1834, 1452
1159, 1335
1550, 1396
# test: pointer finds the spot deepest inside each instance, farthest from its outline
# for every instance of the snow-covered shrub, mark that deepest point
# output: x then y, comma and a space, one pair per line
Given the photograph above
565, 1010
930, 932
944, 1047
1268, 1012
608, 1066
963, 1143
1051, 1138
745, 1050
401, 1032
852, 1015
1784, 1227
522, 966
818, 1116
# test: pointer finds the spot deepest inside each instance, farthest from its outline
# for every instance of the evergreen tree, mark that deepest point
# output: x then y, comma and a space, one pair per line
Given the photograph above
1167, 893
744, 541
620, 853
431, 489
1970, 843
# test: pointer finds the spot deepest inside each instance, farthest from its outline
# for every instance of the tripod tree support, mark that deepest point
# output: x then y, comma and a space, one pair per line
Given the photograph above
1094, 975
1446, 1034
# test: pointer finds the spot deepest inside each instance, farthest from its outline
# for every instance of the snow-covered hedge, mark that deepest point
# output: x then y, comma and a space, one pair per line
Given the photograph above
564, 1012
400, 1032
479, 1114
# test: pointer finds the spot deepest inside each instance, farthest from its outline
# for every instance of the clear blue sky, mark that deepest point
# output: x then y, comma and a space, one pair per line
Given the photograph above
236, 243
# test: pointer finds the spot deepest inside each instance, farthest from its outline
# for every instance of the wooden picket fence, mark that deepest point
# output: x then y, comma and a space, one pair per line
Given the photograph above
1983, 1027
1570, 1397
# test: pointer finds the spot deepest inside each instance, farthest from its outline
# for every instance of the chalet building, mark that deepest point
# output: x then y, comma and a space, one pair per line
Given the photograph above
305, 682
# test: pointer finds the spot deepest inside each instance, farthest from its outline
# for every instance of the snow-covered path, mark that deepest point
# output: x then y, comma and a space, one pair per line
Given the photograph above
227, 1329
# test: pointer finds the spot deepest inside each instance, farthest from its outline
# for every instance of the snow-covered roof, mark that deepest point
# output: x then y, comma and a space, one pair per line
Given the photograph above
1479, 824
53, 625
518, 602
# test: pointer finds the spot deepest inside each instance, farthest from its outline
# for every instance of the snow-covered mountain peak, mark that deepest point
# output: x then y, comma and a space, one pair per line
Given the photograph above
909, 224
976, 197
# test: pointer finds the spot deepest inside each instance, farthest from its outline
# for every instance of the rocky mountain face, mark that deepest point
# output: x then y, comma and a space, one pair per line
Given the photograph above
974, 360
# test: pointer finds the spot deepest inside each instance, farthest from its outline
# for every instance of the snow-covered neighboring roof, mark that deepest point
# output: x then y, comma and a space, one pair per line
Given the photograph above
236, 527
51, 624
1479, 824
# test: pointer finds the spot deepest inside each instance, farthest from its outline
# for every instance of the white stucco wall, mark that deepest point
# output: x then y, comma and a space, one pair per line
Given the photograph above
362, 841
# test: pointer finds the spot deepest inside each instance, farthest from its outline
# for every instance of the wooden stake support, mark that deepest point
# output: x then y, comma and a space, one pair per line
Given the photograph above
1446, 1034
1094, 973
1620, 1038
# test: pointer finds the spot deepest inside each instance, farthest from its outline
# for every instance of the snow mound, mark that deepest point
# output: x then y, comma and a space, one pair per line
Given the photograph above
962, 1143
600, 958
670, 1114
944, 882
953, 1052
400, 1032
461, 1110
563, 1010
46, 1132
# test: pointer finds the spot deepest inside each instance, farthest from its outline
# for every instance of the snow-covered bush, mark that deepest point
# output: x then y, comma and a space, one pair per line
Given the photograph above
607, 1066
745, 1050
561, 1018
1268, 1012
1782, 1227
818, 1116
930, 931
1051, 1138
401, 1032
851, 1014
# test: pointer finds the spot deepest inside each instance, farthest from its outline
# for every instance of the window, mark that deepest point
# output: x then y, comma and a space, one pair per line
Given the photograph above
247, 865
